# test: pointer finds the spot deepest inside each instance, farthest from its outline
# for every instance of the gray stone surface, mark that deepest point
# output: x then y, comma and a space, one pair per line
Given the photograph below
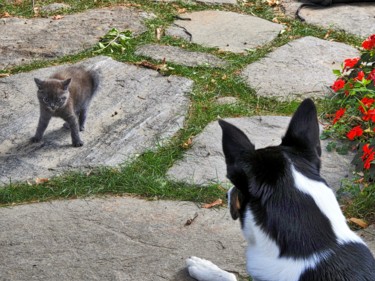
227, 31
300, 69
119, 238
135, 110
25, 40
368, 235
355, 18
54, 7
204, 163
180, 56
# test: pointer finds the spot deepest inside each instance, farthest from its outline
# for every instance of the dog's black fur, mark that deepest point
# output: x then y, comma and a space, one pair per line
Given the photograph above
265, 184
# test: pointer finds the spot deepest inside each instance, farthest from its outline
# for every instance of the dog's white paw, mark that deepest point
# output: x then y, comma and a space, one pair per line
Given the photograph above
204, 270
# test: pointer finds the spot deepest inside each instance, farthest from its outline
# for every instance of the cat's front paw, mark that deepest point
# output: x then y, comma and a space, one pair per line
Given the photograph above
66, 125
35, 139
204, 270
78, 143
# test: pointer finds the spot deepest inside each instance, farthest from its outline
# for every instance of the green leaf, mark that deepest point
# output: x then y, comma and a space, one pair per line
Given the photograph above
336, 72
343, 150
331, 146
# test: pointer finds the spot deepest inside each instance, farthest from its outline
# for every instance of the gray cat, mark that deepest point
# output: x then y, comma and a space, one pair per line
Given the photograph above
66, 94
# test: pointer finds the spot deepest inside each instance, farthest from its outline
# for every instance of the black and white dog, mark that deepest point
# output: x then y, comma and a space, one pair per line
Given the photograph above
289, 216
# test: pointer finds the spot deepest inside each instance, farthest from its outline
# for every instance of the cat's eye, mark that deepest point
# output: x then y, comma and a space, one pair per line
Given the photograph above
46, 99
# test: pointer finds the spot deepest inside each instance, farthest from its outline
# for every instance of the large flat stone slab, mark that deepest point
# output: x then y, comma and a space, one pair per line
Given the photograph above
355, 18
179, 56
227, 31
122, 239
134, 110
204, 163
25, 40
297, 70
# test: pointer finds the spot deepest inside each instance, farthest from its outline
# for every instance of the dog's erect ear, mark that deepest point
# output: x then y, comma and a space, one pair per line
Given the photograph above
235, 142
303, 130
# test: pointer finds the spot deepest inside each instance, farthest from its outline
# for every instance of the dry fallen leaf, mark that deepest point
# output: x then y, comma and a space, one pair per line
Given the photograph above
187, 143
181, 10
159, 33
5, 15
327, 34
41, 180
158, 67
2, 75
57, 17
218, 202
359, 222
273, 2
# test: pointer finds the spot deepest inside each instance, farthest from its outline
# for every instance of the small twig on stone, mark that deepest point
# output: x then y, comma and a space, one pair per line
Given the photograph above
190, 221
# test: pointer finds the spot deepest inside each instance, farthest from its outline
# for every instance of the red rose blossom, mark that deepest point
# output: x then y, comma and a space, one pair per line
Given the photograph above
339, 84
355, 132
369, 115
365, 105
368, 156
360, 76
371, 76
338, 115
369, 43
349, 63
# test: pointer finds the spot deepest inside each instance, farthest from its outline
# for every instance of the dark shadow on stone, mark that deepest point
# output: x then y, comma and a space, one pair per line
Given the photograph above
182, 275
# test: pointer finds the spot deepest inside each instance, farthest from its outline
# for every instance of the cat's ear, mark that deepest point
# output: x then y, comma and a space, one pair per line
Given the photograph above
66, 84
38, 82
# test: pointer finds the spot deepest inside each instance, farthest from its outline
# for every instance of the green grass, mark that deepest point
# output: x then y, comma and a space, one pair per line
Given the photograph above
145, 176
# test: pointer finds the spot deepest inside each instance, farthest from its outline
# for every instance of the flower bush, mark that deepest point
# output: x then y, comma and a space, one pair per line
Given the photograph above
353, 117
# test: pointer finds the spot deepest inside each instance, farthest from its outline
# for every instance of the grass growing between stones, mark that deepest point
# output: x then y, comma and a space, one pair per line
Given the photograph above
145, 176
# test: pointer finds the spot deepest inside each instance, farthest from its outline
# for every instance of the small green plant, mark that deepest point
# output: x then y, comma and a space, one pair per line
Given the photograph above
114, 41
354, 105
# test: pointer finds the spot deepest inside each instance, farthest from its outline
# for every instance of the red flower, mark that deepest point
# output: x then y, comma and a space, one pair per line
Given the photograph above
369, 115
349, 63
371, 76
360, 76
368, 156
339, 84
369, 43
355, 132
339, 114
366, 104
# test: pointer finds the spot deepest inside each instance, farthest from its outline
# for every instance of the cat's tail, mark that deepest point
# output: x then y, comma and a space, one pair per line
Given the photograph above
96, 77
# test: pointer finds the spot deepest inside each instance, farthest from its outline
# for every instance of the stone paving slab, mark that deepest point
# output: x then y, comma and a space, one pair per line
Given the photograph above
25, 40
227, 31
180, 56
204, 162
136, 109
118, 239
121, 238
355, 18
299, 69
